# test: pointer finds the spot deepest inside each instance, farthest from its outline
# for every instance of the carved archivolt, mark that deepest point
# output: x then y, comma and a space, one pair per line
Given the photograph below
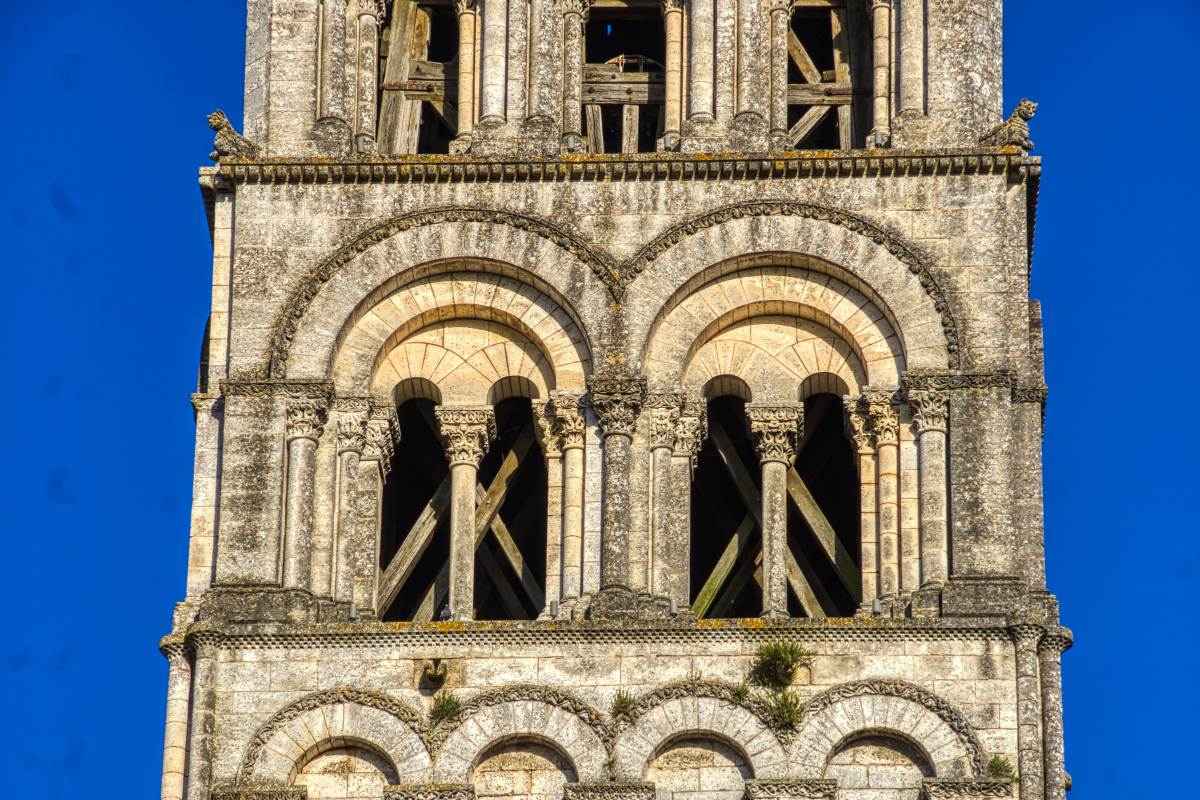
510, 694
616, 276
931, 722
313, 721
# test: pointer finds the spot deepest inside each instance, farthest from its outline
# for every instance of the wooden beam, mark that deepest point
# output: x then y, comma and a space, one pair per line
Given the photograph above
624, 93
629, 129
413, 546
508, 598
505, 478
751, 568
803, 580
595, 129
447, 112
806, 124
400, 116
515, 560
737, 545
801, 59
843, 563
841, 69
819, 94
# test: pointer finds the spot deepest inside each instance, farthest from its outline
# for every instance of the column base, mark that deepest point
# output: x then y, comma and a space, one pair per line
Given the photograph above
614, 602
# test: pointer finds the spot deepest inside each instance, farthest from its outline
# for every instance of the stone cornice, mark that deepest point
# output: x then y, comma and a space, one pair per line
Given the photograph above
634, 167
292, 388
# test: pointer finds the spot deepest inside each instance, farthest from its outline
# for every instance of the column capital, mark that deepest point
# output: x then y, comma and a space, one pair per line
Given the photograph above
784, 6
665, 411
568, 413
670, 6
776, 428
580, 7
382, 429
545, 423
929, 409
371, 8
1055, 643
464, 6
351, 433
306, 418
468, 431
885, 421
1026, 633
617, 399
691, 430
858, 423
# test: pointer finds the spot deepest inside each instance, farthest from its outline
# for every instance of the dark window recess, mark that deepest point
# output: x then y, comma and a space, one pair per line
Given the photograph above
823, 137
614, 32
435, 135
443, 34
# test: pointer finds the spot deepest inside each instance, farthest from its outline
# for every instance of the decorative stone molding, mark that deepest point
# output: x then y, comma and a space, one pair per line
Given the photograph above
930, 409
352, 405
468, 431
664, 412
612, 790
546, 425
791, 789
776, 428
581, 7
523, 692
895, 688
1037, 394
885, 421
617, 400
615, 276
278, 388
697, 687
382, 431
262, 793
306, 419
351, 433
571, 424
331, 697
371, 8
965, 789
206, 404
691, 431
858, 423
955, 380
430, 791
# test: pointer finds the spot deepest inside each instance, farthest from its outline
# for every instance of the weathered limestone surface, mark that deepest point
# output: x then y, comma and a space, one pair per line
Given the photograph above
626, 296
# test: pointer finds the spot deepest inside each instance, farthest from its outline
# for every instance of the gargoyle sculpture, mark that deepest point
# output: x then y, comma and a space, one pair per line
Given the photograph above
1014, 130
228, 141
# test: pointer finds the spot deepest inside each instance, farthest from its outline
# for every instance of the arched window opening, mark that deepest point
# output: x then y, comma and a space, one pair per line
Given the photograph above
418, 93
346, 773
522, 770
827, 100
699, 761
623, 78
510, 560
877, 764
823, 546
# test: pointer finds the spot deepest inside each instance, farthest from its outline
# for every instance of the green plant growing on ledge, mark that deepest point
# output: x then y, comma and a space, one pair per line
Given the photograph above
776, 662
739, 693
445, 706
785, 707
1000, 769
622, 704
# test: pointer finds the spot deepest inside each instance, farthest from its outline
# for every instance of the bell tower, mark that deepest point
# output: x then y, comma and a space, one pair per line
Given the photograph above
619, 400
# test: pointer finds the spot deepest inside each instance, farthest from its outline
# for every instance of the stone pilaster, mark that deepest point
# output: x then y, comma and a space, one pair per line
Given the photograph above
775, 429
305, 423
617, 400
468, 431
373, 468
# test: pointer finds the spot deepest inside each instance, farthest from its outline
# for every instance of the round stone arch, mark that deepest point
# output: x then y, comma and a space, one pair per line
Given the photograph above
508, 327
753, 235
697, 717
336, 718
304, 334
889, 708
514, 721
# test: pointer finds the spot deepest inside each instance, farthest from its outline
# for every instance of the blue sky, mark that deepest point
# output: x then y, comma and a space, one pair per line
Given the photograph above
107, 266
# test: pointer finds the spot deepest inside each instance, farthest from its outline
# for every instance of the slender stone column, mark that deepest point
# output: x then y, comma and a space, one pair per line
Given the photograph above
179, 691
305, 423
664, 412
571, 429
495, 70
333, 61
202, 732
351, 438
574, 15
672, 11
541, 62
369, 13
617, 400
749, 50
885, 424
700, 61
881, 13
912, 55
551, 444
373, 468
781, 14
517, 61
1029, 740
859, 431
1049, 653
466, 66
468, 431
775, 428
930, 410
690, 433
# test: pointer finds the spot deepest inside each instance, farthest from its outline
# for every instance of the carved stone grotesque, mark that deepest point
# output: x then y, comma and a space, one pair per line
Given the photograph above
229, 142
1014, 130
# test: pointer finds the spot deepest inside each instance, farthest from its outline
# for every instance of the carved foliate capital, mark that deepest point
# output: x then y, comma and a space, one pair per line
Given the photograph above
618, 401
569, 419
468, 431
306, 419
779, 6
580, 7
691, 430
371, 8
668, 6
546, 425
929, 409
381, 431
664, 411
775, 428
351, 433
885, 421
464, 6
858, 423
